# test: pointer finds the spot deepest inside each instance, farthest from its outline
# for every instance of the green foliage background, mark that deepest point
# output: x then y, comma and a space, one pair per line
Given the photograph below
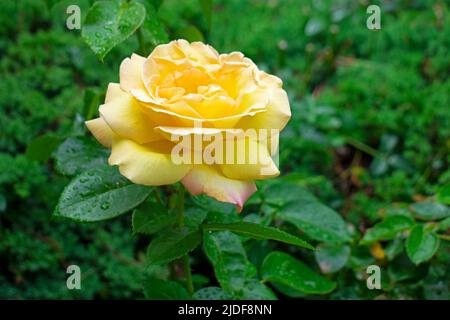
369, 136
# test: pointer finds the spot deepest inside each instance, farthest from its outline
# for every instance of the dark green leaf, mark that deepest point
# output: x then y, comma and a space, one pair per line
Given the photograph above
282, 193
211, 205
156, 289
211, 293
41, 148
153, 30
316, 220
332, 257
108, 23
387, 229
288, 291
193, 217
255, 290
227, 255
172, 245
282, 268
76, 155
151, 217
421, 244
259, 232
99, 194
431, 211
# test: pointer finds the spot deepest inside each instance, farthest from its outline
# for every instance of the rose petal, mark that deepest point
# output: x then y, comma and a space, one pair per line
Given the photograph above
146, 164
113, 92
124, 116
101, 131
131, 73
208, 180
251, 160
277, 112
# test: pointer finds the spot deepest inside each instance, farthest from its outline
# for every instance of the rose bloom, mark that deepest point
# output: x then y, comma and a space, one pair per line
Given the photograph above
178, 86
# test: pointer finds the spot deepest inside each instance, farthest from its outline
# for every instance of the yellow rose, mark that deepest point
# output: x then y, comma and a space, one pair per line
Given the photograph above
179, 86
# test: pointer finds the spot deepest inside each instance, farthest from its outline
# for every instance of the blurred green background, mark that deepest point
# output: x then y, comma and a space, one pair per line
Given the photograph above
369, 134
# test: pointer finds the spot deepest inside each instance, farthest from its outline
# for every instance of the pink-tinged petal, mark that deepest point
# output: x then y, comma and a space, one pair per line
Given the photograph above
209, 180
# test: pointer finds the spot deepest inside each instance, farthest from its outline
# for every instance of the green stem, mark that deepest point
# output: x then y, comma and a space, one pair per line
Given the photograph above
188, 274
181, 207
363, 147
186, 262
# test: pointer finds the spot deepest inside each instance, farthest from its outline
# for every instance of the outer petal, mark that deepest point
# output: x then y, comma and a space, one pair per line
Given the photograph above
146, 164
208, 180
101, 131
256, 162
277, 112
113, 92
131, 73
125, 117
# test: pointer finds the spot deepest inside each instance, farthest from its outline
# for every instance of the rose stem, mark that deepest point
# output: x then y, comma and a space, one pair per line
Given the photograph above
186, 262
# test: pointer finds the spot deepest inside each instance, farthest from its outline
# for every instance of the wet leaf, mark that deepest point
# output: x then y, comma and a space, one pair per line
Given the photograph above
99, 194
282, 268
108, 23
316, 220
76, 155
172, 244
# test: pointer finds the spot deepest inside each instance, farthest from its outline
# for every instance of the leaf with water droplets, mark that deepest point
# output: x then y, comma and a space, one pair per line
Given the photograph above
152, 29
227, 255
76, 155
211, 293
281, 268
108, 23
316, 220
99, 194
